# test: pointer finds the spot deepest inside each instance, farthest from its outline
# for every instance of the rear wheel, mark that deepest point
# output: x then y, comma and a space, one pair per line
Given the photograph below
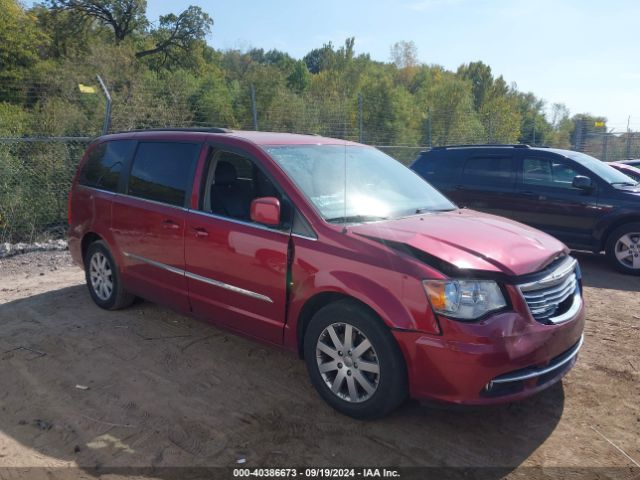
623, 248
103, 278
354, 362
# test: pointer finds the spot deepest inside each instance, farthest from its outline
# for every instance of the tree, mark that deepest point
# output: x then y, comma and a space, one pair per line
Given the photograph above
71, 33
453, 119
299, 79
501, 119
534, 128
20, 39
319, 59
559, 113
179, 32
481, 78
326, 58
123, 16
404, 54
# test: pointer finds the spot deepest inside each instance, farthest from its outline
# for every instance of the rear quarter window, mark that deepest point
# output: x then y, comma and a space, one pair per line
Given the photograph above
105, 164
163, 171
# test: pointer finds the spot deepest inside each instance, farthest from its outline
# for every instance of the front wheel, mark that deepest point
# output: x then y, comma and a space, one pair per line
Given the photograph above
623, 248
354, 362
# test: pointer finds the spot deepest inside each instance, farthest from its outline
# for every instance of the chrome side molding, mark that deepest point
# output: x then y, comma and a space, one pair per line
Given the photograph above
227, 286
200, 278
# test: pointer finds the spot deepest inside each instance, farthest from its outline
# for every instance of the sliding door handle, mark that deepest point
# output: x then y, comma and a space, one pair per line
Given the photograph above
201, 232
170, 224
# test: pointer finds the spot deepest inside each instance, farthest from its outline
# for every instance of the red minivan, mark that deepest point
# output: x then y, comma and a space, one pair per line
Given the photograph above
332, 250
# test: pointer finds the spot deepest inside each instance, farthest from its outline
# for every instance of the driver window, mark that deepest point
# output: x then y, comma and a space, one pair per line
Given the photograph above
232, 182
547, 172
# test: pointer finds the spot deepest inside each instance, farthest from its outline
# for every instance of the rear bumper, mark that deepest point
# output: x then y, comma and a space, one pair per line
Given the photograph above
504, 358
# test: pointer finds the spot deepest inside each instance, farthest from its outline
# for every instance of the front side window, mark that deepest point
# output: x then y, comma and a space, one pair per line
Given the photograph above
232, 182
105, 163
547, 173
163, 171
494, 171
354, 183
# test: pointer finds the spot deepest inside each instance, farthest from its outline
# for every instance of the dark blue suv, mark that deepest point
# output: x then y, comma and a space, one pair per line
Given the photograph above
577, 198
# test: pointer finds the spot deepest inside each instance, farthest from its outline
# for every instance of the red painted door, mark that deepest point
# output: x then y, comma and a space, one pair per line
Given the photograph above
148, 222
236, 270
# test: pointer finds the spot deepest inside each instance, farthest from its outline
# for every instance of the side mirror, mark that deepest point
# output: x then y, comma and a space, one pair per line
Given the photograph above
266, 210
582, 182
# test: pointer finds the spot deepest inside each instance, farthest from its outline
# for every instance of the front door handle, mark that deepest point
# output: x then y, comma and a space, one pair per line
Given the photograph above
170, 224
201, 232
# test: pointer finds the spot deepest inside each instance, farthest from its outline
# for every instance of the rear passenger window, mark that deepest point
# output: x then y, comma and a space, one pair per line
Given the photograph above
163, 171
436, 167
495, 171
104, 164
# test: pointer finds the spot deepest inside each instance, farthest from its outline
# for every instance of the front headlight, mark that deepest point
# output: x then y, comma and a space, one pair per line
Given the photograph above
464, 299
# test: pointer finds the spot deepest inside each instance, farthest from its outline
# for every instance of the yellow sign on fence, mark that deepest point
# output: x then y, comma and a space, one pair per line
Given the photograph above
599, 124
86, 88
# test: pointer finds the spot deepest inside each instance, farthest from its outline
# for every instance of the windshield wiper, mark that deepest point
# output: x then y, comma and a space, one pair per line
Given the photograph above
355, 219
428, 209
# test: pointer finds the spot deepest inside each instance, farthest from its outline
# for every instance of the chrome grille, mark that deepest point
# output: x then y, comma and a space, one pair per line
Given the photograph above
554, 298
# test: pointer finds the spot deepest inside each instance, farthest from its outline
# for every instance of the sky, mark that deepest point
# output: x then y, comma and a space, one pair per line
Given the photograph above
581, 53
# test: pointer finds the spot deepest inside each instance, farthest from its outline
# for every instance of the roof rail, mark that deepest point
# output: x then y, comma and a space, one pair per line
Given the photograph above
485, 145
172, 129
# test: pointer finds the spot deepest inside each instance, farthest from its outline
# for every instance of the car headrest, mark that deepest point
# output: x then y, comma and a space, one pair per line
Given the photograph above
226, 173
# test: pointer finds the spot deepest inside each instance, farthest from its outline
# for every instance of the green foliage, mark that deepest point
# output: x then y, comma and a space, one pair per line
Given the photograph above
20, 41
299, 79
404, 54
166, 75
481, 79
123, 16
13, 120
319, 59
178, 35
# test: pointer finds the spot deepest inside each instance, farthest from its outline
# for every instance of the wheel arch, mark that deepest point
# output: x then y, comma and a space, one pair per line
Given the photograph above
317, 302
619, 222
88, 239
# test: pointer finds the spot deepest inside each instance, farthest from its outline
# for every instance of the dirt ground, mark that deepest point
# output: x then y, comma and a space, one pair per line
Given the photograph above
145, 387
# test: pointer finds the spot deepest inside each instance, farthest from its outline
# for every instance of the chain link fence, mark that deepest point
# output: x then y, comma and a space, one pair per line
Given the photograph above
35, 177
611, 146
36, 172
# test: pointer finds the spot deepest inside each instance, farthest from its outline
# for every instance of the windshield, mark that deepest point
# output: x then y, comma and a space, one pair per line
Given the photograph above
602, 169
377, 186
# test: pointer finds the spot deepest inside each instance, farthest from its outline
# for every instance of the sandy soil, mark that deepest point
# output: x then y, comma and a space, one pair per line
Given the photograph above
145, 387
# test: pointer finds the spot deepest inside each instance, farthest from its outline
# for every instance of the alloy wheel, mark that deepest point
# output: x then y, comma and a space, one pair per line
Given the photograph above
627, 250
347, 362
101, 276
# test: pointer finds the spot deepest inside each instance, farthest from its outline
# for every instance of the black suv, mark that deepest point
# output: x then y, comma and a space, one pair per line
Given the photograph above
577, 198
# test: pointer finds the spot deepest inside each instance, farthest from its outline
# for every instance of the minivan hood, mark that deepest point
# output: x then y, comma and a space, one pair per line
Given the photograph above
470, 240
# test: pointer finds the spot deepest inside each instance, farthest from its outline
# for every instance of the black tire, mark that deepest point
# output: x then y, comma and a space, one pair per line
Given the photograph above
391, 381
614, 247
117, 296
